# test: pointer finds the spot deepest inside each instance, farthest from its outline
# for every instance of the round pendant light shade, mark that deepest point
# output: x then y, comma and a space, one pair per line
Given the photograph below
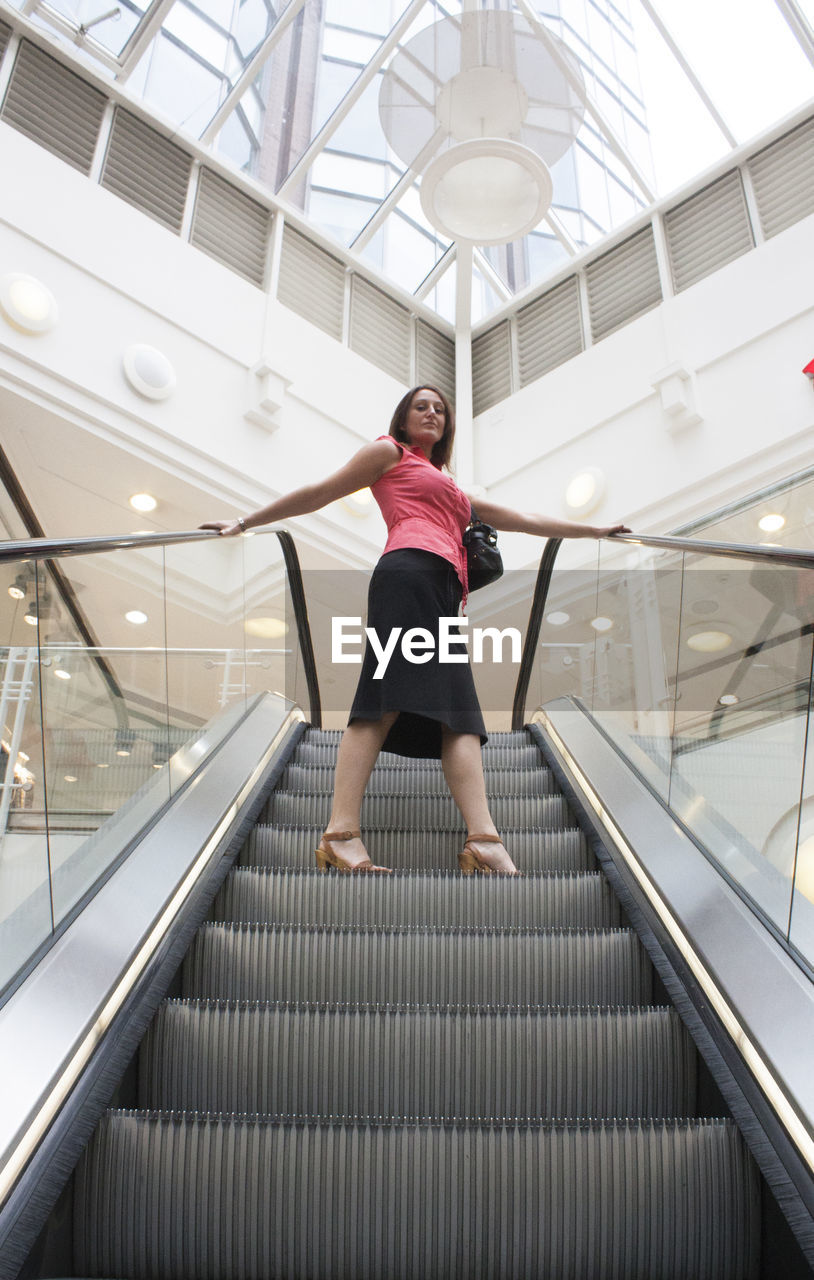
488, 190
482, 104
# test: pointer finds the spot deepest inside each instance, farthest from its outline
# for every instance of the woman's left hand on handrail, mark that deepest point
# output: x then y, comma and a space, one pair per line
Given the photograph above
226, 528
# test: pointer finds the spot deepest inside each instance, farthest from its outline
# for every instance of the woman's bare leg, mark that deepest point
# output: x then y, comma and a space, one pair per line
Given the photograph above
462, 763
358, 752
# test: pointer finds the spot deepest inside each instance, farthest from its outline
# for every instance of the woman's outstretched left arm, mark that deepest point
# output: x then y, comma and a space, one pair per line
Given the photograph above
510, 521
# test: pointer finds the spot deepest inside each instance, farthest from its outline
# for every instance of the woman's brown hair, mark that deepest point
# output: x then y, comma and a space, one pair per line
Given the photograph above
442, 449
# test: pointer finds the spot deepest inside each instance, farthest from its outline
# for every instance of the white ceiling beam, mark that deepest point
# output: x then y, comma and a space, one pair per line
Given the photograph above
606, 128
800, 26
353, 95
682, 60
432, 277
491, 276
142, 38
250, 72
562, 233
394, 195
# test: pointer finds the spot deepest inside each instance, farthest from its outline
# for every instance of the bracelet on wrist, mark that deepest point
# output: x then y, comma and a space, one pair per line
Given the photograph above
241, 521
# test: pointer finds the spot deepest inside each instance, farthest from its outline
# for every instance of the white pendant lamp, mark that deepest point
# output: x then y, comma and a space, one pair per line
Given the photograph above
481, 105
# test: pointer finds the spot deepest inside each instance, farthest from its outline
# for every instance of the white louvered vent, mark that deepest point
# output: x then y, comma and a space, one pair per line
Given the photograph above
549, 331
708, 230
53, 107
380, 329
435, 358
146, 169
230, 226
491, 367
312, 283
623, 284
783, 178
5, 36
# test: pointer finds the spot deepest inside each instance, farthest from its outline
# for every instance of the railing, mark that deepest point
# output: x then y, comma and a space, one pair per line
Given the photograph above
92, 735
695, 659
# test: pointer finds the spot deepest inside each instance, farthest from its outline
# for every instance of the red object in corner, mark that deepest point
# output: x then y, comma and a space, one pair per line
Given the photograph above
809, 369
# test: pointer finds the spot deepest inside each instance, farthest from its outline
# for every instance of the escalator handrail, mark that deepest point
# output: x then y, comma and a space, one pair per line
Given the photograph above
56, 548
792, 556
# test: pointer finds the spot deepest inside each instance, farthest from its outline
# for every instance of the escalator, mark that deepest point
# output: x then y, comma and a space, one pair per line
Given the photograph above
417, 1075
427, 1074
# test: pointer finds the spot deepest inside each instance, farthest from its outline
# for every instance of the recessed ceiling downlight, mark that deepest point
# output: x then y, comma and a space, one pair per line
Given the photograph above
148, 371
709, 641
585, 491
27, 303
136, 617
265, 628
771, 522
143, 502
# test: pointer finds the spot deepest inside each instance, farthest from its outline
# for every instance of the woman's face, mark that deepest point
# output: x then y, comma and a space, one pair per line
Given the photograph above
426, 420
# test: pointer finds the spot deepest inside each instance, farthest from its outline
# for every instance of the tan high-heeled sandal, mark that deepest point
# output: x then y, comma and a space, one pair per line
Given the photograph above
328, 857
470, 860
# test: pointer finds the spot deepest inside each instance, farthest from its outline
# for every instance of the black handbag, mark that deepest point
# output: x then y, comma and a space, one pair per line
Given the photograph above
484, 563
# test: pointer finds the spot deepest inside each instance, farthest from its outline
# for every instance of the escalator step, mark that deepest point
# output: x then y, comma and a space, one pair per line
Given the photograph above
411, 898
417, 966
293, 846
418, 812
520, 755
313, 780
224, 1197
503, 738
216, 1057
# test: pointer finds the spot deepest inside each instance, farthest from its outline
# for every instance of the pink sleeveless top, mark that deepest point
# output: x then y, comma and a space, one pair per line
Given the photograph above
423, 508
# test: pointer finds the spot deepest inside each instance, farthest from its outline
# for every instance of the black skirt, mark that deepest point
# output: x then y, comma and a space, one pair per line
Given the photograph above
412, 588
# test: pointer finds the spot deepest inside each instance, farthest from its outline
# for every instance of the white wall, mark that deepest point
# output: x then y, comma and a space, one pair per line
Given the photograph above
741, 336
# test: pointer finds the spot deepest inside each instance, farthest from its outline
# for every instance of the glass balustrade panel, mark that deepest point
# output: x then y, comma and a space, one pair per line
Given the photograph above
742, 698
801, 933
104, 710
25, 893
270, 643
635, 625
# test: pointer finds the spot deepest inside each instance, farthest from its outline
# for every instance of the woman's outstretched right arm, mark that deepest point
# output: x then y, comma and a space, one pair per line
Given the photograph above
364, 469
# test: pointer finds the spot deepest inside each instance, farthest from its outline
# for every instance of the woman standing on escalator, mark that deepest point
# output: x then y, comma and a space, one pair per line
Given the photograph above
428, 709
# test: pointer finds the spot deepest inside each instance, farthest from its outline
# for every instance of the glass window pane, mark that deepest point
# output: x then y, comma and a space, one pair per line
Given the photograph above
179, 86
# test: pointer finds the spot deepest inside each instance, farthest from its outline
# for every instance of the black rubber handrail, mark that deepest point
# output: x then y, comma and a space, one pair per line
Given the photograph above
791, 556
56, 548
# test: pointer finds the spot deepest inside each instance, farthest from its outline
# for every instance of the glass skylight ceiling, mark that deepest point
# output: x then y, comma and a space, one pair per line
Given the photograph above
288, 93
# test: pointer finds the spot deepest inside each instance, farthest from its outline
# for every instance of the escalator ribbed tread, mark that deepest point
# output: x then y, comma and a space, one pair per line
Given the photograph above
211, 1056
628, 1199
542, 899
428, 850
417, 965
417, 1076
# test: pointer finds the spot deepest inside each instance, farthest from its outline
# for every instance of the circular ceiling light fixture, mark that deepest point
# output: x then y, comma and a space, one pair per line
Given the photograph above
728, 699
771, 522
482, 104
27, 303
148, 371
602, 624
709, 641
143, 502
136, 617
585, 491
358, 503
558, 618
487, 190
265, 628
